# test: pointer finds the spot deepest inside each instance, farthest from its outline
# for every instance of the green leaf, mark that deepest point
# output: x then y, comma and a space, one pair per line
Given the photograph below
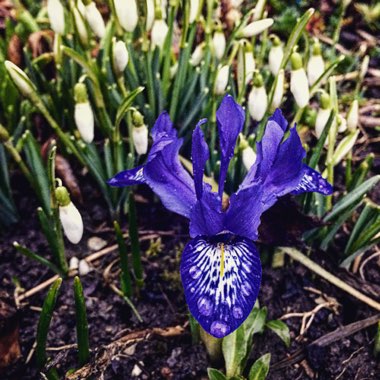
255, 322
234, 347
44, 322
351, 198
280, 329
81, 322
127, 102
376, 346
344, 147
260, 368
214, 374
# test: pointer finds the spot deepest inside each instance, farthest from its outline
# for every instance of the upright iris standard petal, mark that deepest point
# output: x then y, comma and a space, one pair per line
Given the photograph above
230, 119
221, 276
199, 155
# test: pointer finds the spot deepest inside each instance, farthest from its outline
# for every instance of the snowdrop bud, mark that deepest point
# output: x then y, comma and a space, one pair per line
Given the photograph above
139, 133
149, 14
256, 27
81, 7
259, 10
246, 62
194, 8
126, 13
276, 54
56, 15
316, 65
279, 90
257, 100
69, 216
80, 26
197, 55
74, 263
83, 114
95, 19
20, 79
344, 147
353, 116
120, 57
342, 124
323, 114
219, 43
364, 67
159, 31
221, 80
248, 155
299, 86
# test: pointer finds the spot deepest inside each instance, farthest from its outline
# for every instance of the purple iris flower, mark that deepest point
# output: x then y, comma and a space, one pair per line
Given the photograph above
220, 266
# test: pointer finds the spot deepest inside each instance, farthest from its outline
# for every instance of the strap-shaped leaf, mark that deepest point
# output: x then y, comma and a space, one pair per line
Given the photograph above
127, 102
260, 368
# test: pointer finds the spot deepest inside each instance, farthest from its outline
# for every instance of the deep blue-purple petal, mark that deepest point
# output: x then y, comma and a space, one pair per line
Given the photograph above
278, 117
199, 154
163, 126
128, 177
221, 278
206, 217
230, 119
312, 181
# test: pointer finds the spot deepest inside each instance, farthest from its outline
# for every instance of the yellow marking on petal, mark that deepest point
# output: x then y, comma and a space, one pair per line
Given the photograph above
221, 260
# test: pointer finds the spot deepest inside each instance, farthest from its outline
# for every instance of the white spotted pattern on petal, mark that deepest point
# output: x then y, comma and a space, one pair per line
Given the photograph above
312, 181
220, 296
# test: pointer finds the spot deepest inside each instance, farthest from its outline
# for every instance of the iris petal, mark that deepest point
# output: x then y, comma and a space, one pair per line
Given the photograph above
221, 277
312, 181
128, 177
230, 119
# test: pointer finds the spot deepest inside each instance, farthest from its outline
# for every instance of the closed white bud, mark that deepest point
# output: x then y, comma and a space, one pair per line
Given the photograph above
20, 79
321, 120
120, 57
279, 90
221, 80
81, 7
84, 120
258, 99
315, 68
72, 223
276, 54
126, 13
219, 43
353, 116
249, 157
197, 55
246, 64
342, 124
194, 8
159, 31
344, 147
80, 26
259, 10
299, 87
140, 139
95, 20
56, 15
149, 14
256, 27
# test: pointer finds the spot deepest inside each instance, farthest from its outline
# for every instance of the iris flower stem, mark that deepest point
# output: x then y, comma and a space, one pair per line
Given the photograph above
310, 264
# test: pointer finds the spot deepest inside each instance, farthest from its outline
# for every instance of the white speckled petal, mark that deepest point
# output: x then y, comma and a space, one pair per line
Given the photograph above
221, 277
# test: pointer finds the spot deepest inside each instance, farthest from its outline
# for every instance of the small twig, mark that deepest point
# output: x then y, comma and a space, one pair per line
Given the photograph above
368, 259
62, 348
304, 260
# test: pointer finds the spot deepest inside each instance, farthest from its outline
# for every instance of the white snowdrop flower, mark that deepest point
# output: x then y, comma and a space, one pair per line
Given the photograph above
322, 114
56, 15
259, 10
81, 7
248, 156
279, 89
219, 43
258, 99
20, 79
299, 85
194, 8
83, 268
74, 263
139, 133
95, 20
197, 55
353, 116
83, 114
120, 57
246, 63
159, 31
344, 147
126, 13
250, 66
316, 64
342, 123
69, 216
80, 26
221, 80
149, 14
256, 27
276, 54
